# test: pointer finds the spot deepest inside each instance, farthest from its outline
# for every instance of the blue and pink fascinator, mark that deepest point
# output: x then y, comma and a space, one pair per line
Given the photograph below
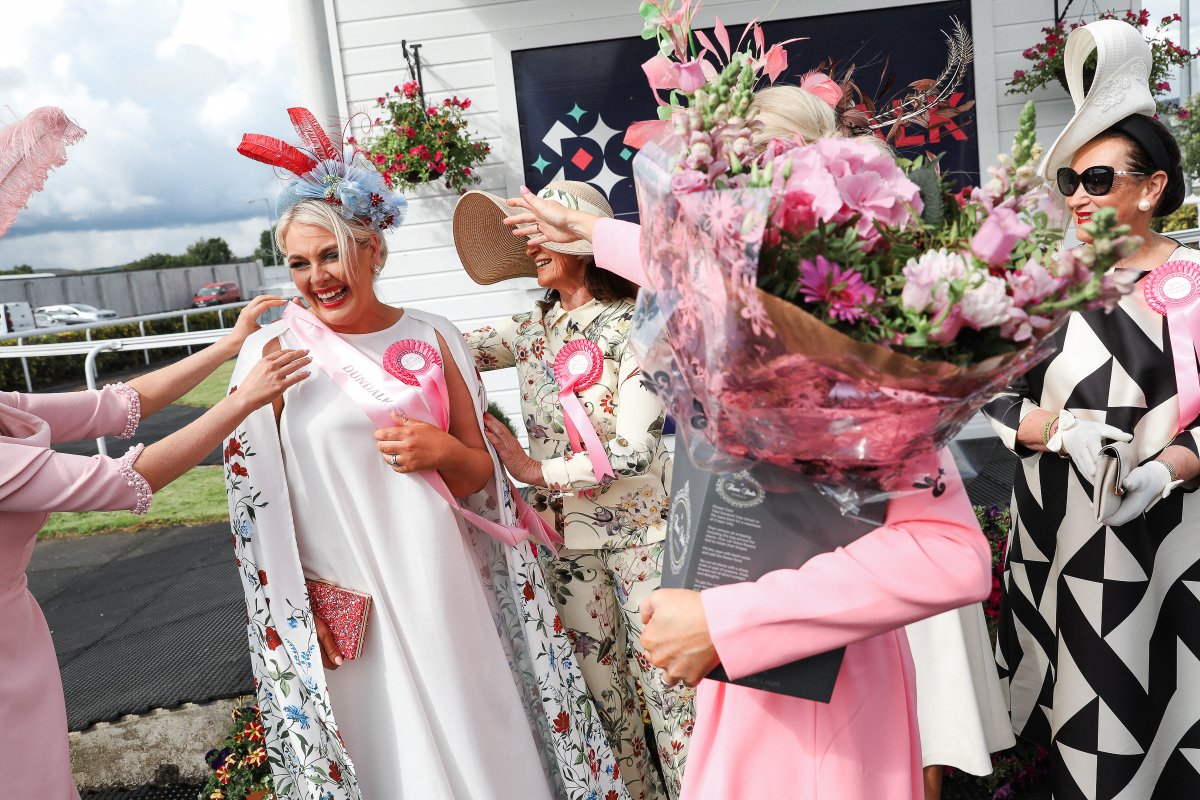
321, 171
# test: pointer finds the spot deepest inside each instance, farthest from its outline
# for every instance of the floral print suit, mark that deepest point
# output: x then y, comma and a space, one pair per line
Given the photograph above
613, 530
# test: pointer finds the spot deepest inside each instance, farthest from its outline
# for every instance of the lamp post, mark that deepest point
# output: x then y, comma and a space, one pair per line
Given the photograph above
270, 227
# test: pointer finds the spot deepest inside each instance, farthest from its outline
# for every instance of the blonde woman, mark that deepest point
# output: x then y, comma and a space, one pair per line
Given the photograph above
377, 478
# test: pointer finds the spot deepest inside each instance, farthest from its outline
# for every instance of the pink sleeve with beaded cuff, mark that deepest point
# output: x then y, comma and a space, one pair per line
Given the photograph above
46, 481
114, 410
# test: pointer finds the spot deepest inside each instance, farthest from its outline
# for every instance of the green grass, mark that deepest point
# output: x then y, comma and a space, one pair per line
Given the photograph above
210, 390
198, 496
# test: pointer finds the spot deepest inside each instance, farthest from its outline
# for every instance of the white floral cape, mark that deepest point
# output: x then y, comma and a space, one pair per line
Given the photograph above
308, 758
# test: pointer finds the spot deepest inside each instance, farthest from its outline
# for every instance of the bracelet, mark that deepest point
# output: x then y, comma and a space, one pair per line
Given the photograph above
1046, 429
1170, 469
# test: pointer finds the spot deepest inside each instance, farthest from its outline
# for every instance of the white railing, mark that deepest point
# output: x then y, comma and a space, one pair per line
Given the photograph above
26, 351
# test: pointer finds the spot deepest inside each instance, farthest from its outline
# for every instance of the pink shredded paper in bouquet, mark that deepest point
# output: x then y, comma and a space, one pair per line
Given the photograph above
758, 379
29, 149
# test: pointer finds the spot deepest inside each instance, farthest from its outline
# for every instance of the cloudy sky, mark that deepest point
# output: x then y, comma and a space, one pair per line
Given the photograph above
165, 89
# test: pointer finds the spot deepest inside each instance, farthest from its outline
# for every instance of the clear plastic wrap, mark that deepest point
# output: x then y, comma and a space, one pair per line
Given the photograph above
752, 379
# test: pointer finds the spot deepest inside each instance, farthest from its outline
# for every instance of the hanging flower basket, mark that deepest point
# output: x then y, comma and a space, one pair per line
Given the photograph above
1047, 55
414, 144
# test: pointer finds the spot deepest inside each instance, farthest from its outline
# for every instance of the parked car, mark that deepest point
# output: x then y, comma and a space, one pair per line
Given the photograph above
76, 313
215, 294
43, 320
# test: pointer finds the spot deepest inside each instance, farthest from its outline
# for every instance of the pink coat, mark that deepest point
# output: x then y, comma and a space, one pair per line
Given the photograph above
34, 481
928, 557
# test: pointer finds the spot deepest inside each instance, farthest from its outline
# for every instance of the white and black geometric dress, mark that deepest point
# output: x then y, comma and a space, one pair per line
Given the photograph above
1099, 643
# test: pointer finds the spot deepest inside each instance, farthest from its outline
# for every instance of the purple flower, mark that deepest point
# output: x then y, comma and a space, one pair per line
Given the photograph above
844, 290
1000, 232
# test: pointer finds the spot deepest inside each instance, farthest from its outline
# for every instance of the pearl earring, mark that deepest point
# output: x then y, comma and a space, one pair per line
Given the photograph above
1143, 205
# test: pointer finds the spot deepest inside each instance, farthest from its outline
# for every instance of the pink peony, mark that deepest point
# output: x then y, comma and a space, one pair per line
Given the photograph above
1000, 232
844, 290
986, 305
927, 280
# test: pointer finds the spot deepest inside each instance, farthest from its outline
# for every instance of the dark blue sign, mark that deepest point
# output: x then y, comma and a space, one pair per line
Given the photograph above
575, 101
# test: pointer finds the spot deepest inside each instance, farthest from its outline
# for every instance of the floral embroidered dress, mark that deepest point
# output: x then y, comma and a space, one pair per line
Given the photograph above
614, 530
466, 688
35, 481
630, 510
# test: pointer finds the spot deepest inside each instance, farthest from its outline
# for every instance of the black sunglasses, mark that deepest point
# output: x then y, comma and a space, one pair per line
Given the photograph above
1097, 181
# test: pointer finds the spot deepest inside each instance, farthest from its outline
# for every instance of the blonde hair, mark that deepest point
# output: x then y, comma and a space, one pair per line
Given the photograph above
784, 112
322, 215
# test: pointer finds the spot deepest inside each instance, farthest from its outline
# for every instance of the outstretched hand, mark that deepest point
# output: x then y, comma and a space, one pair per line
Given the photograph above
247, 321
272, 376
547, 221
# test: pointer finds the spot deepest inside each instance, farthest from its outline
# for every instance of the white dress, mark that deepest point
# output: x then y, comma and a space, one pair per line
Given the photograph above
430, 709
960, 709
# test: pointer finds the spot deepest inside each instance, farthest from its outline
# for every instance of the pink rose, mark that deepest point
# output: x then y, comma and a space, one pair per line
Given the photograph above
995, 239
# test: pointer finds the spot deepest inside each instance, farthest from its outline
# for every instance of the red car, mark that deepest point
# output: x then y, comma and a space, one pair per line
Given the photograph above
215, 294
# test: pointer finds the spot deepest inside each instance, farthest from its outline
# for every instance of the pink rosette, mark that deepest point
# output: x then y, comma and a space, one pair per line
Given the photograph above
1173, 290
1174, 284
577, 367
417, 363
579, 363
410, 358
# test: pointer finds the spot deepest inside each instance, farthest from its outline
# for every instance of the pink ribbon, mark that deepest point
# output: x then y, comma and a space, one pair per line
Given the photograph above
378, 393
416, 363
1173, 290
577, 367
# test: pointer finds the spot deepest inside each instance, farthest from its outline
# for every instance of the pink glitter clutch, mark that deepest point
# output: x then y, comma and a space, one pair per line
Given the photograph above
345, 611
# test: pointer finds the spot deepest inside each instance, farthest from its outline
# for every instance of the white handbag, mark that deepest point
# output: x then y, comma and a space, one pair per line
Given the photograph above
1113, 465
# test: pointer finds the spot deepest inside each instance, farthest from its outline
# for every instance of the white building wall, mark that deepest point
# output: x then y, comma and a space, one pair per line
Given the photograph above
466, 48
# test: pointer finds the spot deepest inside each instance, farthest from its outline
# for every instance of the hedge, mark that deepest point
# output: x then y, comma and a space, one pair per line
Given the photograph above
54, 370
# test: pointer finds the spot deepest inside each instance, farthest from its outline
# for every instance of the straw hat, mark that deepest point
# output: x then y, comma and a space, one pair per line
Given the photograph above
1120, 88
486, 246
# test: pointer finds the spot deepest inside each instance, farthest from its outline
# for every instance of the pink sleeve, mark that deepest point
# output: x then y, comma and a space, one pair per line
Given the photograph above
928, 557
617, 248
39, 479
114, 410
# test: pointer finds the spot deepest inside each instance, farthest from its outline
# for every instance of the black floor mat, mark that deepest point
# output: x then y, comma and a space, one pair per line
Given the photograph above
143, 620
177, 792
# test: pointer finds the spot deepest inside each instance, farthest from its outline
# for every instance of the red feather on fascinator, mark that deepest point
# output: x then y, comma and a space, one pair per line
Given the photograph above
270, 150
313, 136
29, 149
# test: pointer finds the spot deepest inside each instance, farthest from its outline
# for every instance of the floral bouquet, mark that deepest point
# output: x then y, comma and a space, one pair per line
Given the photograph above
414, 144
240, 766
830, 309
